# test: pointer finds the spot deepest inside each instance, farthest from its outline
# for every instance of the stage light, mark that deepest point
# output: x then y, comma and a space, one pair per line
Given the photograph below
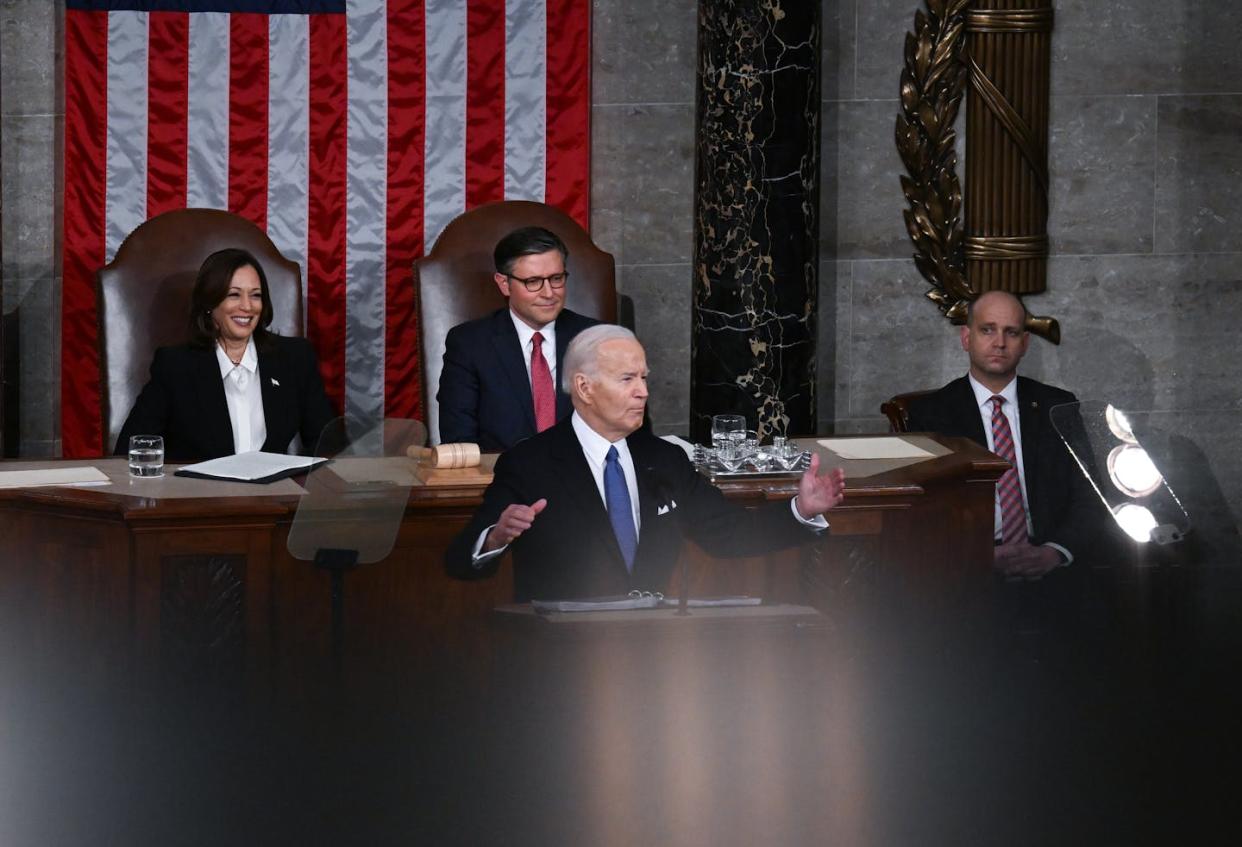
1137, 521
1119, 424
1132, 471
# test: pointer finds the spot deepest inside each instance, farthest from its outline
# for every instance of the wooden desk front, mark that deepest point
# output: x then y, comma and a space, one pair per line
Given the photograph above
209, 582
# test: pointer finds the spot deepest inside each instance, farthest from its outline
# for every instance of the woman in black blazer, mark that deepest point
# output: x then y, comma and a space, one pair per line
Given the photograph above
236, 386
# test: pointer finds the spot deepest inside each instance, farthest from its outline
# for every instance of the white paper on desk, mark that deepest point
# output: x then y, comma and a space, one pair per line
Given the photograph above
882, 447
248, 467
85, 475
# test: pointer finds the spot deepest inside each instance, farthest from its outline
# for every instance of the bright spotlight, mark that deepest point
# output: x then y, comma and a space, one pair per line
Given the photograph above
1119, 424
1137, 521
1132, 471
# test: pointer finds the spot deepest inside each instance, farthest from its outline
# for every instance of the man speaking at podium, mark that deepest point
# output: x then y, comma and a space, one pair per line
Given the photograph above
597, 505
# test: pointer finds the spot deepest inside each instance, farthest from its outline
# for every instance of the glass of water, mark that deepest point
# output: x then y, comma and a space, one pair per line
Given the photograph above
146, 456
728, 430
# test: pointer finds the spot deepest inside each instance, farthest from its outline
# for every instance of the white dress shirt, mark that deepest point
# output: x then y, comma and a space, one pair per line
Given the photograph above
595, 450
244, 394
983, 399
526, 336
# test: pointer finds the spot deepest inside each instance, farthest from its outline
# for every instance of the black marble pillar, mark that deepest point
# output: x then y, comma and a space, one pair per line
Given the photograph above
756, 208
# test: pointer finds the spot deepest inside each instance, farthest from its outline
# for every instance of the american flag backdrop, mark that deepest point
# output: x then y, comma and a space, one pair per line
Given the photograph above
352, 131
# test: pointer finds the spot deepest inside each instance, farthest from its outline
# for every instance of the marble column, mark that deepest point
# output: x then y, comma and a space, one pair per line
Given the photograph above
756, 211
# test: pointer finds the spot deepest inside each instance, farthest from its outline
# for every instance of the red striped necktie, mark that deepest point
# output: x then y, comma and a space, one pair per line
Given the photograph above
541, 388
1008, 487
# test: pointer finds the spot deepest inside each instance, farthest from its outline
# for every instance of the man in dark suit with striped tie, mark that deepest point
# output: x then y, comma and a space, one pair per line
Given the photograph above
1044, 507
498, 385
598, 506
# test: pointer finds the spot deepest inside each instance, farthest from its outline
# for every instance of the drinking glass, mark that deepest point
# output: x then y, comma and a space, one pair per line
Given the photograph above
728, 429
730, 456
146, 456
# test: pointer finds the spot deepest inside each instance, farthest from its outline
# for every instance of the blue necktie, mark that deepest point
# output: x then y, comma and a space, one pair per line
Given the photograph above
620, 512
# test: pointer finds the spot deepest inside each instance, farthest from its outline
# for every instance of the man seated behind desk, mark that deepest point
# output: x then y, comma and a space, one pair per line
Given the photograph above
598, 505
498, 385
1043, 505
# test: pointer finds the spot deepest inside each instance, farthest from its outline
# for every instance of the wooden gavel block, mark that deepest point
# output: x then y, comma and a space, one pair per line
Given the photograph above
461, 455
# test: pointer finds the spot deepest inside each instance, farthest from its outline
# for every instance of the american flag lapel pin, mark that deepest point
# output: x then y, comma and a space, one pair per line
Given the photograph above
275, 383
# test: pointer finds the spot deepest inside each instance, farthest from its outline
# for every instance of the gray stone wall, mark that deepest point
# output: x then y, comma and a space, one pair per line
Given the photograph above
1145, 159
642, 179
31, 123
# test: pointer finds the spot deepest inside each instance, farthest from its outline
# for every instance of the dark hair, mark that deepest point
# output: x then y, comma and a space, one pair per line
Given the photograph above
527, 241
211, 286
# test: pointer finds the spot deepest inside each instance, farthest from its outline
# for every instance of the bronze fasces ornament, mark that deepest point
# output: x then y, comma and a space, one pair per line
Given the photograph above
997, 239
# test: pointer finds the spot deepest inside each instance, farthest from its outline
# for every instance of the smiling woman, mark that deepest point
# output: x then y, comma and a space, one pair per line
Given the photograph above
235, 387
230, 293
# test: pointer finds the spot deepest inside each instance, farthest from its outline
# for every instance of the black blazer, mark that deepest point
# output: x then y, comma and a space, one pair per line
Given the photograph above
571, 551
484, 393
1063, 508
184, 401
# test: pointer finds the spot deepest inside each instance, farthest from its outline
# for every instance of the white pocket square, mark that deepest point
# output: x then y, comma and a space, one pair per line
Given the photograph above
664, 510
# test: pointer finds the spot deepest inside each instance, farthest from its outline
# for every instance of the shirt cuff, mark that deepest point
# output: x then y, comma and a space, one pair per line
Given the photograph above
1065, 554
819, 523
478, 558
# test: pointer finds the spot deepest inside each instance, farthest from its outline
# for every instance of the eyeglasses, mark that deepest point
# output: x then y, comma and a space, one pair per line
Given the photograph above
535, 283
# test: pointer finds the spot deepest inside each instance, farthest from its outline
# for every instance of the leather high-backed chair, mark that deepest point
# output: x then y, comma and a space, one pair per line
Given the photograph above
897, 410
144, 297
453, 283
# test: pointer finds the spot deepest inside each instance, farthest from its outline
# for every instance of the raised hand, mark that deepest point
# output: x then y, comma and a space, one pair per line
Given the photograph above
514, 520
817, 494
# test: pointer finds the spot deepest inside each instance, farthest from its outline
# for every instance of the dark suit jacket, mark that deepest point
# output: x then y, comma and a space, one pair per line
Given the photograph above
484, 391
1063, 508
571, 551
184, 401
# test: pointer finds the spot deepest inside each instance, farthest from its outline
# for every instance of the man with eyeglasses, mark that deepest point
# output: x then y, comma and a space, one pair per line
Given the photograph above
500, 376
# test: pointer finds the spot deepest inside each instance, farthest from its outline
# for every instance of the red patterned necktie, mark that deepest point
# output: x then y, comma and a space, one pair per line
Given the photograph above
1008, 487
541, 388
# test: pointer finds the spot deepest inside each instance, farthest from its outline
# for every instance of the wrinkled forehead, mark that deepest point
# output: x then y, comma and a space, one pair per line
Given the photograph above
621, 355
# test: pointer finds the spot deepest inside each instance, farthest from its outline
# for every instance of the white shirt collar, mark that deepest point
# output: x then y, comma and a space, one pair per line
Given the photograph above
249, 360
595, 446
984, 395
525, 333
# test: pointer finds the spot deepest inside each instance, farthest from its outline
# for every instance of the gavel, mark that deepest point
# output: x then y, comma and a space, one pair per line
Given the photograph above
461, 455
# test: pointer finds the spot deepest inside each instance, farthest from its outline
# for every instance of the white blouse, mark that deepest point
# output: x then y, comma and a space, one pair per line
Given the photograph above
244, 395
